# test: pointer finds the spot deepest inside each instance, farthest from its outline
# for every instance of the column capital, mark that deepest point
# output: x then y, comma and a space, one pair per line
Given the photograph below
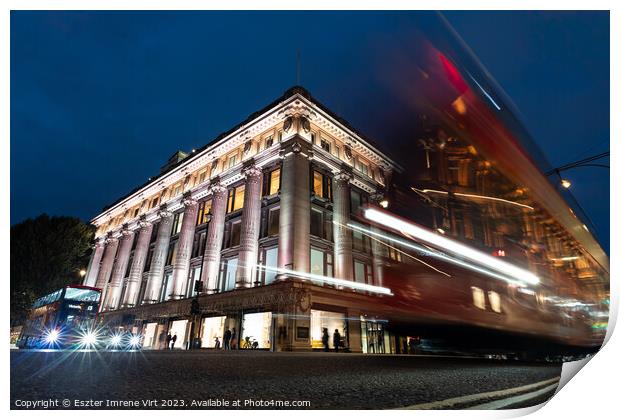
125, 231
163, 212
252, 171
142, 223
188, 200
343, 176
110, 239
216, 186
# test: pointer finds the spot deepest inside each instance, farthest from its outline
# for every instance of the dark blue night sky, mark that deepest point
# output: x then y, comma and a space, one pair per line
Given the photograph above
99, 101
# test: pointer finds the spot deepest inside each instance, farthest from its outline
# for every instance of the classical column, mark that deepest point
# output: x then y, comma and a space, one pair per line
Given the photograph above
118, 271
94, 264
343, 243
156, 270
250, 227
215, 236
137, 264
106, 264
180, 265
294, 237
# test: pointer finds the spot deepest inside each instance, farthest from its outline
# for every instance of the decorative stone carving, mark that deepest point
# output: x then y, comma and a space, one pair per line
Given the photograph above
305, 124
288, 123
247, 148
348, 154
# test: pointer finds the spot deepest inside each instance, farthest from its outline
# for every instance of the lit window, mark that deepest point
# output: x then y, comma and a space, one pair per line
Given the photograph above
495, 301
176, 223
203, 212
394, 253
362, 272
478, 296
321, 186
272, 185
235, 198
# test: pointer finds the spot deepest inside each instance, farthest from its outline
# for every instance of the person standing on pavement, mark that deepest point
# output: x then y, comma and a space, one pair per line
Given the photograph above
174, 340
325, 340
227, 335
336, 340
168, 340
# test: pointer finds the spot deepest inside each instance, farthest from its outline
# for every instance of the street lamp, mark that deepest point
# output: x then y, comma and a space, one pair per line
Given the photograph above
566, 183
82, 272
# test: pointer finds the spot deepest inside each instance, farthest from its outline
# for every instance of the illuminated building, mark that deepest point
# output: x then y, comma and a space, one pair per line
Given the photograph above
253, 226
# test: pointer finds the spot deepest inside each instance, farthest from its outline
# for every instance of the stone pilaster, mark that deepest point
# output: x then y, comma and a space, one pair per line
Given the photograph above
156, 270
94, 264
294, 238
343, 242
180, 267
215, 236
137, 265
118, 271
250, 227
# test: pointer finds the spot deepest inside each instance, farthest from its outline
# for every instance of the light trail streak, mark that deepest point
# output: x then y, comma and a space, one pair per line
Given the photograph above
394, 248
428, 251
450, 245
476, 196
325, 279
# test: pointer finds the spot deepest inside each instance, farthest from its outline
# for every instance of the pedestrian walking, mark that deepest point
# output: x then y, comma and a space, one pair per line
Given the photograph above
217, 343
174, 340
227, 335
336, 340
325, 340
168, 340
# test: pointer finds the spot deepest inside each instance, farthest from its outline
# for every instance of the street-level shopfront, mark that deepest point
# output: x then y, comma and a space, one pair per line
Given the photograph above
281, 316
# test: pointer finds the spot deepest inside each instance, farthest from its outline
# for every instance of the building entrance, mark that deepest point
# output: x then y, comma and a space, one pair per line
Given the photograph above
375, 338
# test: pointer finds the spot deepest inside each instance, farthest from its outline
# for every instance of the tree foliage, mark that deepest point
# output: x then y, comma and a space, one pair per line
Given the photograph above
47, 253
